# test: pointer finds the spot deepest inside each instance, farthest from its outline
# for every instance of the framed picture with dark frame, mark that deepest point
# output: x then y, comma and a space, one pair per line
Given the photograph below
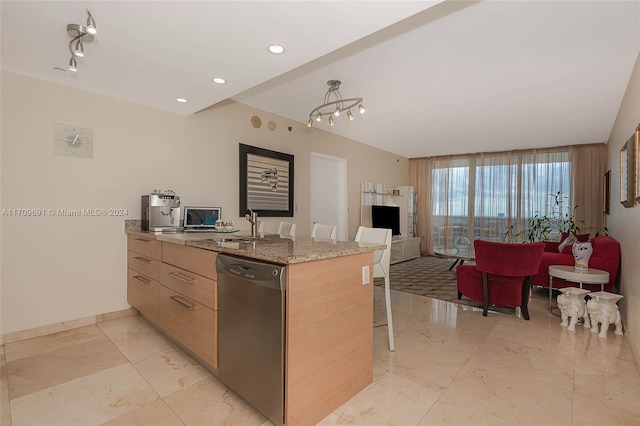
266, 182
629, 171
636, 137
606, 193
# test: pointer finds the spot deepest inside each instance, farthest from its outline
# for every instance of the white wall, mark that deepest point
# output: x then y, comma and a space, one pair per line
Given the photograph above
62, 268
624, 223
1, 206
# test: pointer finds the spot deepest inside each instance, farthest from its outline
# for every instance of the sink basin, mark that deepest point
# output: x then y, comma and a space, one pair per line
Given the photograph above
233, 239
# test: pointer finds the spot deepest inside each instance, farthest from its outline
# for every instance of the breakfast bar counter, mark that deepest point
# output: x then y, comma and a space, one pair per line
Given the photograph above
328, 303
270, 247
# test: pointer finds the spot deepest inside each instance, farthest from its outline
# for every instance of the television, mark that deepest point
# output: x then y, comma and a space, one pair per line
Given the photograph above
386, 217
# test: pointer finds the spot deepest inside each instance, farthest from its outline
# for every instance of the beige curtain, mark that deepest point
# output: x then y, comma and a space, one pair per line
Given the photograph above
451, 201
483, 195
589, 164
545, 185
494, 199
420, 176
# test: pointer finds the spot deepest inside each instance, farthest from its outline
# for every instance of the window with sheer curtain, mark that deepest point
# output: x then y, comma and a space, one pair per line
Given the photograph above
480, 196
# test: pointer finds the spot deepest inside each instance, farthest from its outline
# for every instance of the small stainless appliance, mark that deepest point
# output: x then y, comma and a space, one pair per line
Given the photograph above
161, 211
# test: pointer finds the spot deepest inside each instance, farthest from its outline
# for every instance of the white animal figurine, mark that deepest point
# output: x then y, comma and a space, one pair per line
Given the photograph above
605, 313
574, 307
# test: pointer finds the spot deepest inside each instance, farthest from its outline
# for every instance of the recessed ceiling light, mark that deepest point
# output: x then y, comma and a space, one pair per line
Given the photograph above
276, 49
181, 100
218, 80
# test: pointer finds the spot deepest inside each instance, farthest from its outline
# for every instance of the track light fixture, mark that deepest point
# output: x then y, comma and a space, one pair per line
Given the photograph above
91, 24
79, 35
336, 106
79, 50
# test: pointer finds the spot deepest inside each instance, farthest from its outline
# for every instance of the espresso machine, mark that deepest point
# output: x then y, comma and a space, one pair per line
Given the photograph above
161, 211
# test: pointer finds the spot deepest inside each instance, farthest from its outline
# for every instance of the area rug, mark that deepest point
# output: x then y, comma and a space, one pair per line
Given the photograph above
426, 276
429, 276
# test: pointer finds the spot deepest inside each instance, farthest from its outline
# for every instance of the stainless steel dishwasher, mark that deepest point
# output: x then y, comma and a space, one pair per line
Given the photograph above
251, 332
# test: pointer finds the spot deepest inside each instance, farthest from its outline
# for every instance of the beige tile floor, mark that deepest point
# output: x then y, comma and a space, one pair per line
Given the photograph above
451, 367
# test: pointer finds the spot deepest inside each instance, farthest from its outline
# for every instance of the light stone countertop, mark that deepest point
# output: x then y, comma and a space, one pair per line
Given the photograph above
270, 248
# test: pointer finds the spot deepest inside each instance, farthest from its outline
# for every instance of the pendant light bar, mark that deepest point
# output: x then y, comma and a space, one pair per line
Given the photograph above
333, 108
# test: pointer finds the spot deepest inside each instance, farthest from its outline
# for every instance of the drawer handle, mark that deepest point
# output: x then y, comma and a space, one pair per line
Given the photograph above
142, 260
187, 306
179, 277
143, 280
142, 240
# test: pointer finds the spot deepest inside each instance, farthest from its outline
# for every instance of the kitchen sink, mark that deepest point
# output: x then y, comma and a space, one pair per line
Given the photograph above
231, 240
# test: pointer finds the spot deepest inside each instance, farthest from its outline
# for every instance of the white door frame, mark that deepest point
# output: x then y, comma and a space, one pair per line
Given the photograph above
341, 197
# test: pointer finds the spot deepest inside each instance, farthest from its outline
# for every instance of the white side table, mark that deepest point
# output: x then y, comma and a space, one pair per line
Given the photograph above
603, 309
566, 272
571, 303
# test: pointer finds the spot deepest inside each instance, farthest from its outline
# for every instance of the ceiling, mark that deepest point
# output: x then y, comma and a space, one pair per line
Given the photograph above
436, 77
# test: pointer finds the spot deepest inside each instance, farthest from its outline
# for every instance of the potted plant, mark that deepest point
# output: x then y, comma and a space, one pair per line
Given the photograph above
545, 227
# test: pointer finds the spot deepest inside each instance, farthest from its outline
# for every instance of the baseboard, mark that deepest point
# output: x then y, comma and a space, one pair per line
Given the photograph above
109, 316
17, 336
636, 355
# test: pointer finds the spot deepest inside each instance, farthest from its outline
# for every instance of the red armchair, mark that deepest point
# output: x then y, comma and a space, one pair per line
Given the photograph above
502, 274
605, 256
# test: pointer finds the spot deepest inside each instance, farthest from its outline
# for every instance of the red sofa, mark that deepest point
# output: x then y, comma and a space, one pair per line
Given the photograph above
606, 257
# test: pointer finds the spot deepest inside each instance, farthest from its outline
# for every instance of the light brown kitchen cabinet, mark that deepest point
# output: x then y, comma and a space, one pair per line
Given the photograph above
175, 288
201, 262
145, 265
192, 285
147, 246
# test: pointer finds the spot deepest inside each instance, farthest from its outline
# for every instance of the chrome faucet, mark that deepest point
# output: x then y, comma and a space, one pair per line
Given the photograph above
253, 220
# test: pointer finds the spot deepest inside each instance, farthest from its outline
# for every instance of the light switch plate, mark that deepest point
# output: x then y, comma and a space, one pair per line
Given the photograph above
365, 275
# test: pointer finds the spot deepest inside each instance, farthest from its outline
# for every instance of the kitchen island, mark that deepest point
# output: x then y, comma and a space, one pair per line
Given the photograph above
329, 312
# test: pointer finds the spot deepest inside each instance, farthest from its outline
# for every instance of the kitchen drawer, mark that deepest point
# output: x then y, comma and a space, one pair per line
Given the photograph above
142, 293
144, 264
199, 261
148, 246
190, 323
194, 286
193, 325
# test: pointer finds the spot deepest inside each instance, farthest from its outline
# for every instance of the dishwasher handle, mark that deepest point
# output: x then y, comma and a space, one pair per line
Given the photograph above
259, 273
249, 273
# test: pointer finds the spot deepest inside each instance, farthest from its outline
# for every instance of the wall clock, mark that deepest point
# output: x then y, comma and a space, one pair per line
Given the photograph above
72, 141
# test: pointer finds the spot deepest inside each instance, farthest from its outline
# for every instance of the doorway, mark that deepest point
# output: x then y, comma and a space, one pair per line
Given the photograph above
329, 202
